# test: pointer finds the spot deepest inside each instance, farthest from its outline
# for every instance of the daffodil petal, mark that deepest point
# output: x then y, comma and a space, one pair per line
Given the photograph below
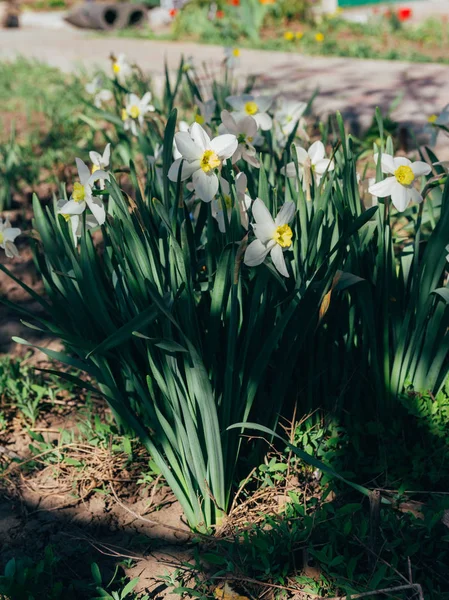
187, 146
286, 214
316, 151
400, 197
199, 136
224, 145
277, 256
83, 171
206, 185
255, 254
383, 188
420, 168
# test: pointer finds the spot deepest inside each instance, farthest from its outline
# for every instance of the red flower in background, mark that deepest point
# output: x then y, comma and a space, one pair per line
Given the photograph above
219, 14
173, 12
234, 2
404, 14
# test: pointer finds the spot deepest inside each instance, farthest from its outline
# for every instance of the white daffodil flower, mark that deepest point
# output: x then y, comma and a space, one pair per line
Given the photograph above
100, 161
8, 235
82, 196
287, 115
245, 130
121, 67
400, 185
253, 106
76, 221
274, 236
103, 97
135, 110
152, 159
437, 123
224, 202
232, 57
201, 157
311, 163
205, 111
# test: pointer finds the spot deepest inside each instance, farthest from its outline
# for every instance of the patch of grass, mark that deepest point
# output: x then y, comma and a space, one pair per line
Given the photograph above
40, 126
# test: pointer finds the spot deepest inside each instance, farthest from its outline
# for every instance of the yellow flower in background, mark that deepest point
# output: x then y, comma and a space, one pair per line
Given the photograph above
289, 36
319, 37
299, 35
432, 118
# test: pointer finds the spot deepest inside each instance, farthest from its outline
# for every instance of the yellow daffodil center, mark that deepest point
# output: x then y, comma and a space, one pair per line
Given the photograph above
95, 168
124, 114
199, 119
134, 111
283, 236
432, 118
404, 175
209, 161
236, 52
66, 217
251, 108
2, 237
116, 68
79, 192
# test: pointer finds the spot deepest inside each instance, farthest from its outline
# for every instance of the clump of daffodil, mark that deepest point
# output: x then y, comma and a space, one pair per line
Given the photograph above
8, 235
94, 88
223, 203
273, 236
201, 159
83, 197
254, 106
135, 110
400, 185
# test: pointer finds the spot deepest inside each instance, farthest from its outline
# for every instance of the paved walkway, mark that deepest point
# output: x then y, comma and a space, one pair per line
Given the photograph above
355, 87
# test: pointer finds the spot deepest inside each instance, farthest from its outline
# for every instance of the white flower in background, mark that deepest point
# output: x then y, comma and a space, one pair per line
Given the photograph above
100, 161
121, 67
400, 185
8, 235
224, 202
93, 86
103, 97
245, 130
201, 157
232, 57
311, 163
254, 106
435, 123
152, 159
274, 236
205, 111
135, 110
76, 221
287, 115
82, 196
447, 250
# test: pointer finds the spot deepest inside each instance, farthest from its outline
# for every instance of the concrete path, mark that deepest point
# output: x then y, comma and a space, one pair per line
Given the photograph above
353, 86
